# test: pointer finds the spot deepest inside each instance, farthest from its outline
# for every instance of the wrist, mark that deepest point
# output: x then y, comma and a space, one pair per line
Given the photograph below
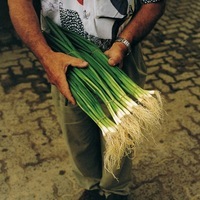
45, 56
125, 43
42, 52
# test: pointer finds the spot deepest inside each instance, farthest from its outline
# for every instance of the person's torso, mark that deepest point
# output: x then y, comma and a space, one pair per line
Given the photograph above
97, 20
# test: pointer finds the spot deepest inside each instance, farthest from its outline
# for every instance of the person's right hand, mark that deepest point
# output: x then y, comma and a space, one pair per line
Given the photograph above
55, 65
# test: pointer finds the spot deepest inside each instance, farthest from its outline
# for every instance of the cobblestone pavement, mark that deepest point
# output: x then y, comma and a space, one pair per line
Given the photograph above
33, 160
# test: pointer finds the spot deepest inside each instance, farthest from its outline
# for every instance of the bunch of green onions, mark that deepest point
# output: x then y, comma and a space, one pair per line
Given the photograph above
133, 112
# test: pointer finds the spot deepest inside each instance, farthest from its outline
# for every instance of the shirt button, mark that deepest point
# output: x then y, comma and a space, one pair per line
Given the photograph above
86, 14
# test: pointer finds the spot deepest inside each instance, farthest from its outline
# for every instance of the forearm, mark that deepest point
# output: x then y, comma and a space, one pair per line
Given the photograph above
144, 21
26, 24
139, 27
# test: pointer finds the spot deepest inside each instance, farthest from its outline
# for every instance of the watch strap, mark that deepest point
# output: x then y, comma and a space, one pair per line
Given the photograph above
125, 42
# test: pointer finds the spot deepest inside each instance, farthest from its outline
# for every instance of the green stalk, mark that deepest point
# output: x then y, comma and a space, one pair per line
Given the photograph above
112, 85
93, 109
125, 82
56, 30
91, 78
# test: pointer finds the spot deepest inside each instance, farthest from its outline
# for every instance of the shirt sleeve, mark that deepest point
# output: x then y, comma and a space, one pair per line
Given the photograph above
150, 1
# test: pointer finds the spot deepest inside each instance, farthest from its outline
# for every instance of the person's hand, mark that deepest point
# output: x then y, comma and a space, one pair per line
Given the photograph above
55, 65
116, 54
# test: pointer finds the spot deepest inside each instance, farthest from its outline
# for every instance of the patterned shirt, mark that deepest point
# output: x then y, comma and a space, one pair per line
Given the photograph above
100, 21
150, 1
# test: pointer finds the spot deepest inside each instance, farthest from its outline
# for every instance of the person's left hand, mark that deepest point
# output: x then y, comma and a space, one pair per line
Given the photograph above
116, 54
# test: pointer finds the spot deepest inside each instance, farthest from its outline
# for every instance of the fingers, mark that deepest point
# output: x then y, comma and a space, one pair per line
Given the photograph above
115, 57
113, 61
56, 66
76, 62
116, 54
63, 86
61, 81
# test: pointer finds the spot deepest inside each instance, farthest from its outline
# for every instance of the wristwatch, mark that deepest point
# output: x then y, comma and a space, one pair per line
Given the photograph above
126, 43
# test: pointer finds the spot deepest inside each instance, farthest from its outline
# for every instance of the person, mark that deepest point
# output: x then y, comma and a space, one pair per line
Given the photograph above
117, 27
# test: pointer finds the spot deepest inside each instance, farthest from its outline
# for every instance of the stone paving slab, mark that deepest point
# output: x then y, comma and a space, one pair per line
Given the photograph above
34, 162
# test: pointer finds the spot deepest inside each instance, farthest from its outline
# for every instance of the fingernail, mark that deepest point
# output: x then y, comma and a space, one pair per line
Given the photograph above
111, 62
73, 103
85, 63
